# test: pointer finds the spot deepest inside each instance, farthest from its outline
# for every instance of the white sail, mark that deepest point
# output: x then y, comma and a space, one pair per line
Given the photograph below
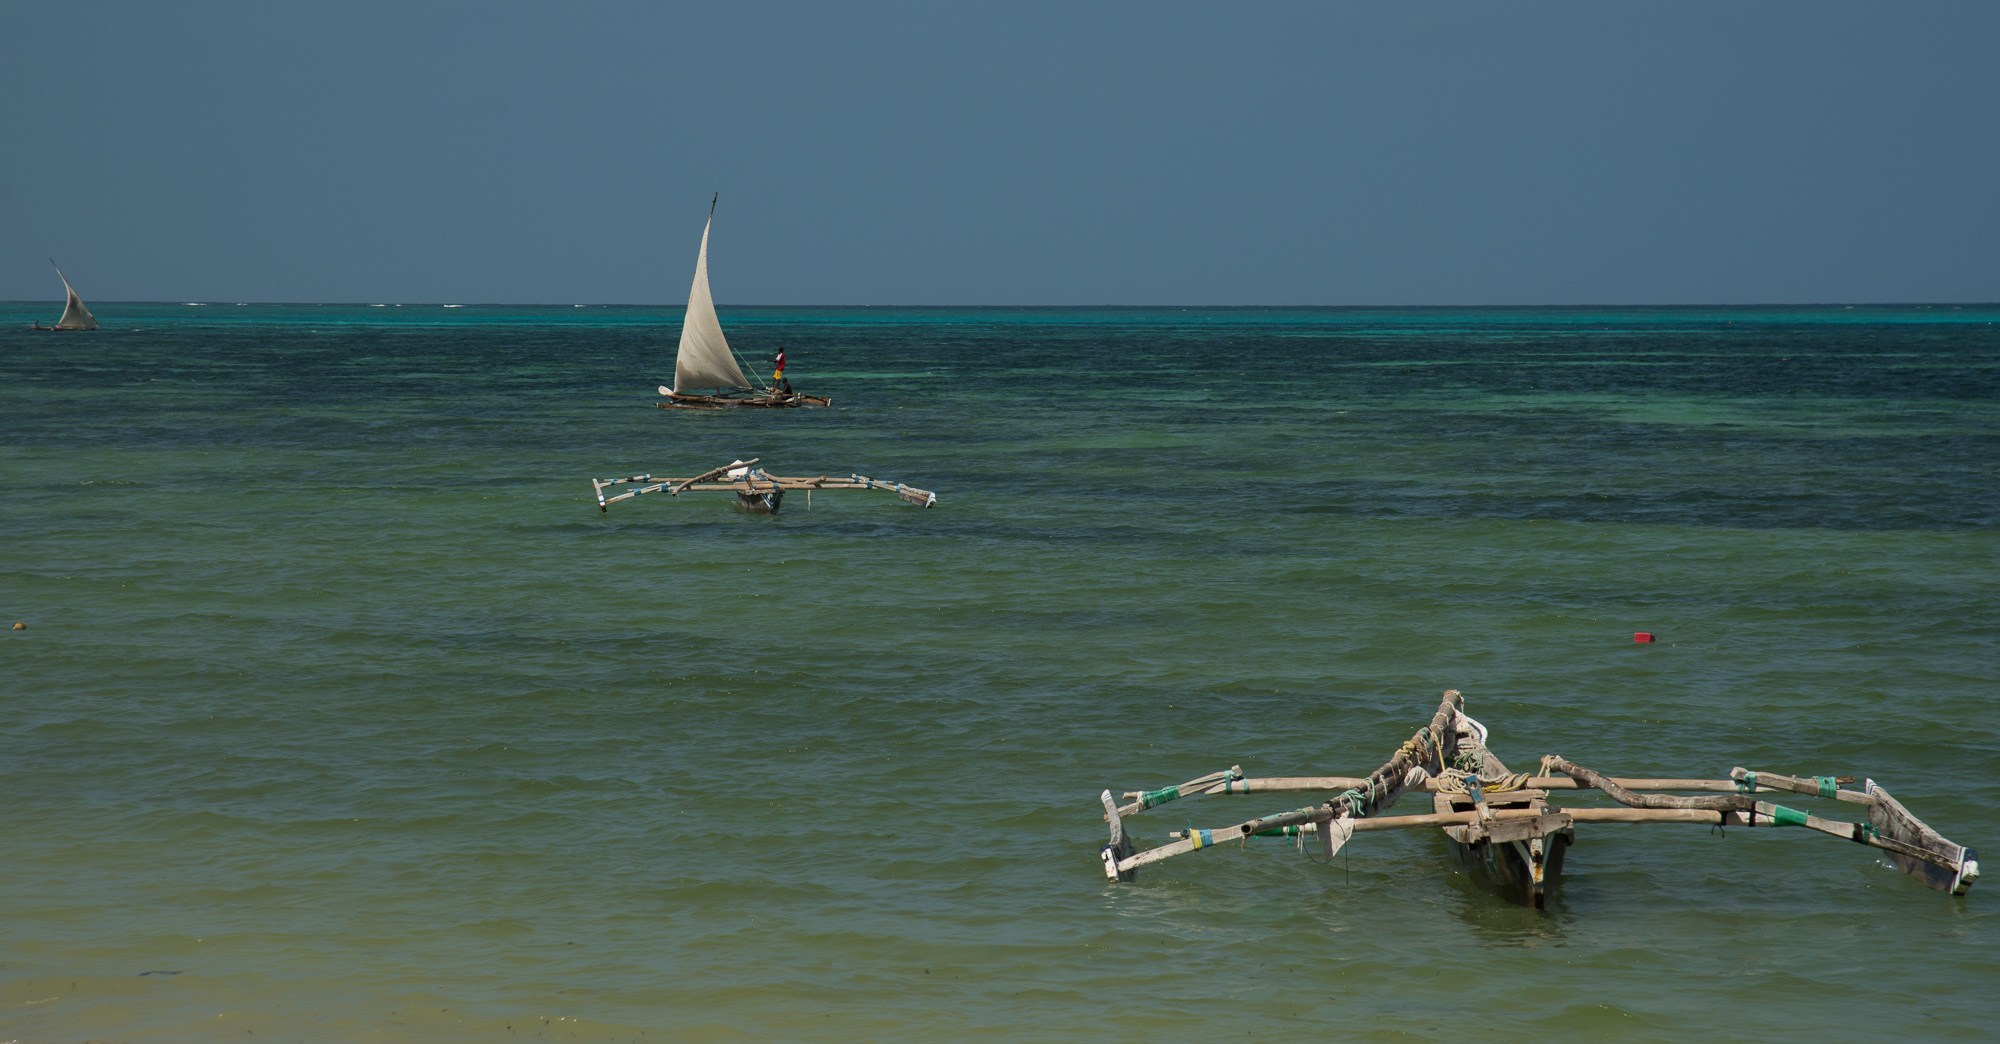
705, 360
75, 315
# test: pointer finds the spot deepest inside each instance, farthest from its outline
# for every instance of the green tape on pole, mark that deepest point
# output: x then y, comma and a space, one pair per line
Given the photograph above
1827, 787
1787, 816
1158, 797
1748, 783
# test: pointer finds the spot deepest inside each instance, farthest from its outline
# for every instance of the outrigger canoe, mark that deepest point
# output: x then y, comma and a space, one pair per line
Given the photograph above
757, 491
1507, 829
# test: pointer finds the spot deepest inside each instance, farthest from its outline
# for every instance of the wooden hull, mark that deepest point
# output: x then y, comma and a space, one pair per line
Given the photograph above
1519, 860
1521, 872
762, 401
761, 503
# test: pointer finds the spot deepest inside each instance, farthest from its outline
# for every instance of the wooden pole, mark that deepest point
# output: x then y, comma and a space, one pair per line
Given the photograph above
1764, 815
1600, 781
711, 473
1304, 784
1817, 786
1198, 785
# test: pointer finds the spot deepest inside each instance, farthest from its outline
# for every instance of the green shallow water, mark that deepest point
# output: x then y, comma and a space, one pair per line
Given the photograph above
343, 715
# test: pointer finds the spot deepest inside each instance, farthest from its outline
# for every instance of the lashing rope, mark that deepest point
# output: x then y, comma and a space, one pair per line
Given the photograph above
1468, 764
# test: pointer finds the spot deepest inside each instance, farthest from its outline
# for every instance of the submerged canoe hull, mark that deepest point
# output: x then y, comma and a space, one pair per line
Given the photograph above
1522, 872
761, 503
1518, 859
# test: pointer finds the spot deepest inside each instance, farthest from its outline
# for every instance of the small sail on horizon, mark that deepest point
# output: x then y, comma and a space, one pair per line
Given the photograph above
705, 359
75, 316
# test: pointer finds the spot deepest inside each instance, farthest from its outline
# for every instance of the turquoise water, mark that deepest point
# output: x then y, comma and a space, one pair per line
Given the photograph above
343, 715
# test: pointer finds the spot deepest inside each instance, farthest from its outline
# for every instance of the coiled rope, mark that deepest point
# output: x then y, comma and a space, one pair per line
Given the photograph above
1468, 765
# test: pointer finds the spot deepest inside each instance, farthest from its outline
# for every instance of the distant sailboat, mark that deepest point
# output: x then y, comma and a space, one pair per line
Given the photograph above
75, 316
706, 376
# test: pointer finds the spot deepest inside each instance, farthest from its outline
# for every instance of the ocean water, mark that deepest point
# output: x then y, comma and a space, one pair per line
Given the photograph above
342, 714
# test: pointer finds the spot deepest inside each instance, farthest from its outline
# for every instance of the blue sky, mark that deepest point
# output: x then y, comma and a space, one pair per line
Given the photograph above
1155, 153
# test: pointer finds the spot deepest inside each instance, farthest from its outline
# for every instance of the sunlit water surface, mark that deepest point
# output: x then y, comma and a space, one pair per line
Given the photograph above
343, 715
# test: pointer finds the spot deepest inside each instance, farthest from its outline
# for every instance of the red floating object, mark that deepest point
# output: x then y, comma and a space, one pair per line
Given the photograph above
1642, 636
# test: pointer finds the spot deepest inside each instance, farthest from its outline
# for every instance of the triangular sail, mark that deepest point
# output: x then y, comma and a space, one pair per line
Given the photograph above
75, 316
705, 360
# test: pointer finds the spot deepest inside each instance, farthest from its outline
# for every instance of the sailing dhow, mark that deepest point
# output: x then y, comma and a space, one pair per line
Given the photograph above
706, 376
75, 316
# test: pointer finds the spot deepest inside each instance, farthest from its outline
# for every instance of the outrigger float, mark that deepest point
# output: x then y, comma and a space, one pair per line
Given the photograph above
756, 490
1501, 826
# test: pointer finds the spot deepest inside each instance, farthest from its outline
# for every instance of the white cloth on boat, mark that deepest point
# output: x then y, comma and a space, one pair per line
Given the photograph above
1333, 835
75, 316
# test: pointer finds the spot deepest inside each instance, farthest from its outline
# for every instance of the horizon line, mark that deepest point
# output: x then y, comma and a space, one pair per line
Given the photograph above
619, 304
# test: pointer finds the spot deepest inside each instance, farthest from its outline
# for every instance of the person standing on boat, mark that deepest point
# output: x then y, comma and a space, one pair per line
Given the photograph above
778, 372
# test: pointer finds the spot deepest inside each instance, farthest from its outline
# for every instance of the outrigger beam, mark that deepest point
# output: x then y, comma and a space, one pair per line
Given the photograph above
1761, 815
1422, 756
1765, 782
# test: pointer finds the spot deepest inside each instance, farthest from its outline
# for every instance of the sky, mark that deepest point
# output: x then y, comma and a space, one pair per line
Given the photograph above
1159, 153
